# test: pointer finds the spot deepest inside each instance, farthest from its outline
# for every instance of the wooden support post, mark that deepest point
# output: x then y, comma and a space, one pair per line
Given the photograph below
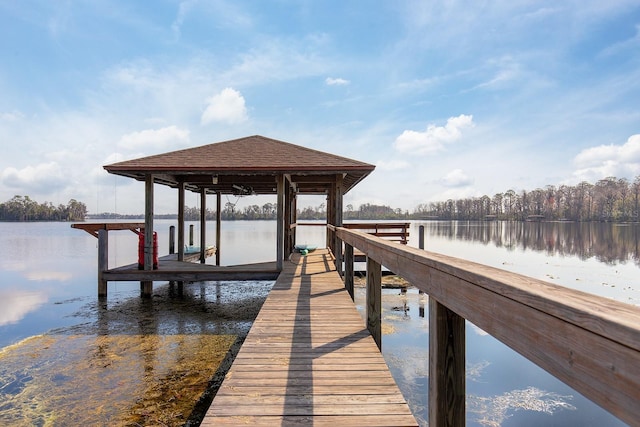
218, 225
348, 269
288, 248
446, 366
203, 225
337, 221
374, 301
191, 235
181, 221
103, 261
172, 239
146, 287
280, 224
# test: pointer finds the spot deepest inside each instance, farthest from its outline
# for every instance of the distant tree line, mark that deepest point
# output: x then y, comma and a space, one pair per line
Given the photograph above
609, 199
22, 208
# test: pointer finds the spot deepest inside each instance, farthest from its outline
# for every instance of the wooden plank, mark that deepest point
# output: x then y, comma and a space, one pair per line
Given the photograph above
315, 420
309, 359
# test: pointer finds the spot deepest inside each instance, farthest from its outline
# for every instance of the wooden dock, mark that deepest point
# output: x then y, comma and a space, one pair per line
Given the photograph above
170, 269
309, 359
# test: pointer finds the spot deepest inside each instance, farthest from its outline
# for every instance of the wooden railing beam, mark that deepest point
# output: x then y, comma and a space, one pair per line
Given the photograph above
589, 342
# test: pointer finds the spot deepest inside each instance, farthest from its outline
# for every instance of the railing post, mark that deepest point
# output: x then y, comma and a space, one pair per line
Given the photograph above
446, 366
103, 261
374, 301
348, 268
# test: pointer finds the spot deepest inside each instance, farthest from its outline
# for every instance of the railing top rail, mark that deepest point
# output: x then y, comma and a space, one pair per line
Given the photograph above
590, 342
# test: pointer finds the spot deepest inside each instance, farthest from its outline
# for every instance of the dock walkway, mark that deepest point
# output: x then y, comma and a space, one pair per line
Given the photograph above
309, 359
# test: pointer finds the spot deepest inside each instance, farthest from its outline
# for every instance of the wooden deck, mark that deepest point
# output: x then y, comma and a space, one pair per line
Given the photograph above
170, 269
309, 359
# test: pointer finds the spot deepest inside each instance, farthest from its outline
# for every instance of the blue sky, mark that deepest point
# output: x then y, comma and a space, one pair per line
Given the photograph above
448, 99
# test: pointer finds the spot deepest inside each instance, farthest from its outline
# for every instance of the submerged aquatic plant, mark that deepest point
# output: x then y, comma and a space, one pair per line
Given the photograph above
107, 380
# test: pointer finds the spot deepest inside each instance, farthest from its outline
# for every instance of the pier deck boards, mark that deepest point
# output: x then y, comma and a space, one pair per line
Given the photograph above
309, 359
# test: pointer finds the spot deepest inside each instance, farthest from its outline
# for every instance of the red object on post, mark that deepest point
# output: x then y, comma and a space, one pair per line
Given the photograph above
141, 250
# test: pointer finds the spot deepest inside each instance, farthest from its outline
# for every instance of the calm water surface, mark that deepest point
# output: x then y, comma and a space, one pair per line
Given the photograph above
48, 281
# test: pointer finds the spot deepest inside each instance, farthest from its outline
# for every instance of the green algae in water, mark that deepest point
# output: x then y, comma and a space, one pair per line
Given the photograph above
107, 380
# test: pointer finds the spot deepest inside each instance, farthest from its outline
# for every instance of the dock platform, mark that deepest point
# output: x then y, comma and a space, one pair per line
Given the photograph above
170, 269
309, 359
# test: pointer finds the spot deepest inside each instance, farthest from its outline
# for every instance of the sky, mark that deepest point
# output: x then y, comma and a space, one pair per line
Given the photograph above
448, 99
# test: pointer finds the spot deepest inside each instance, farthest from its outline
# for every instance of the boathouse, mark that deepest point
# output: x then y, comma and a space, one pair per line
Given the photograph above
253, 165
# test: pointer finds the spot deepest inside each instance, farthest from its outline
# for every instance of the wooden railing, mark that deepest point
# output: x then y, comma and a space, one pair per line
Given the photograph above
589, 342
393, 231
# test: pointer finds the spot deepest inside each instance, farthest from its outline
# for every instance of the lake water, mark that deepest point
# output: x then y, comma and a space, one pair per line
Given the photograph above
48, 290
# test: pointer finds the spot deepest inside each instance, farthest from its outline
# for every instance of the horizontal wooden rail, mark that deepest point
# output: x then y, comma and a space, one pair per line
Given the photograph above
589, 342
395, 231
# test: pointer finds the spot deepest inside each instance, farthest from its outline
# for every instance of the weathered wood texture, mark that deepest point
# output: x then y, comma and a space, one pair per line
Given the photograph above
374, 300
394, 231
309, 360
93, 228
173, 270
447, 387
589, 342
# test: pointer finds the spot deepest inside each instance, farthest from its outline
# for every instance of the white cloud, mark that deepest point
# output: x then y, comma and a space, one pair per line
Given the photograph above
456, 178
330, 81
228, 106
42, 177
155, 138
435, 137
391, 165
12, 116
609, 160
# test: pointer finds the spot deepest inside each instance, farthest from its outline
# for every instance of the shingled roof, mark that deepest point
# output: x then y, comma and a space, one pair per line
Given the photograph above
249, 163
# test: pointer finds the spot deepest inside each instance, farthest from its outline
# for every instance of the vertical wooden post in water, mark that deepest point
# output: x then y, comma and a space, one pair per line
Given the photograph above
191, 235
146, 287
348, 268
172, 239
103, 261
374, 301
446, 366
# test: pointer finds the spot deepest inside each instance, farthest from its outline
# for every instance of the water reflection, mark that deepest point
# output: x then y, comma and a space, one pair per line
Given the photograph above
608, 243
502, 388
15, 304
